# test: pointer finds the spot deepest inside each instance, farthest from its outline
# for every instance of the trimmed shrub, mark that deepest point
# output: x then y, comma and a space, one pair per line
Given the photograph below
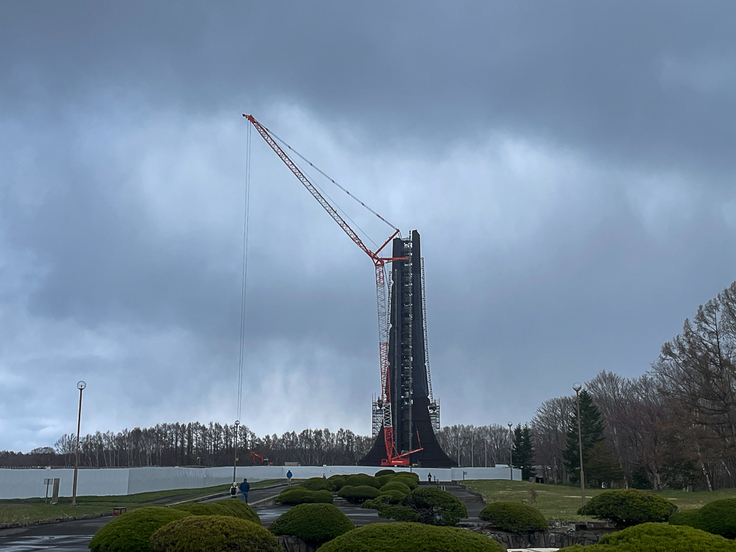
203, 509
392, 495
628, 507
358, 493
514, 517
657, 537
383, 479
131, 532
409, 479
379, 473
318, 484
214, 534
717, 517
239, 509
397, 512
360, 479
396, 486
435, 506
410, 537
300, 495
338, 481
314, 523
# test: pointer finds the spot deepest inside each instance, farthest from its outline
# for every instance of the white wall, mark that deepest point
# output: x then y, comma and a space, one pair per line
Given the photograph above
121, 481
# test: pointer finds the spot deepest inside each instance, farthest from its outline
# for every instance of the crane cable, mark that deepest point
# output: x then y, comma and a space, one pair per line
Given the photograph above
245, 273
328, 177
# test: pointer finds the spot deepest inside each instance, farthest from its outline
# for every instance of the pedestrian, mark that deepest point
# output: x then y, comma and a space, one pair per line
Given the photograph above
429, 478
233, 490
244, 488
288, 477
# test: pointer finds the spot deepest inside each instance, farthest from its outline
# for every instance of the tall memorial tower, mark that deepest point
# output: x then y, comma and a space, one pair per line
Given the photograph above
415, 412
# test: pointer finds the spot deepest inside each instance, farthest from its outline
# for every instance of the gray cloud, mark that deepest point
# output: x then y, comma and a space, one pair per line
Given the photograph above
568, 166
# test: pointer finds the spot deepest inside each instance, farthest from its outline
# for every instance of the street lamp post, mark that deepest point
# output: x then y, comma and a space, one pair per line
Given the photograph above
80, 385
577, 387
235, 456
511, 454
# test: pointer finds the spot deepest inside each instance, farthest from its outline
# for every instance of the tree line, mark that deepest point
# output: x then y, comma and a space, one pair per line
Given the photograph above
674, 426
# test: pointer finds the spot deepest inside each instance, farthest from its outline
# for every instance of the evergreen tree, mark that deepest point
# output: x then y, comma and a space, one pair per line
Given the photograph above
592, 432
523, 452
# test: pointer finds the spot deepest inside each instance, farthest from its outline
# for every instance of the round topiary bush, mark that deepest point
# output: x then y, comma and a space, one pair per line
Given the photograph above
239, 509
514, 517
383, 479
338, 481
314, 523
628, 507
392, 496
318, 484
204, 509
300, 495
410, 537
360, 479
132, 531
214, 534
719, 517
396, 486
435, 506
379, 473
410, 479
691, 518
658, 537
358, 493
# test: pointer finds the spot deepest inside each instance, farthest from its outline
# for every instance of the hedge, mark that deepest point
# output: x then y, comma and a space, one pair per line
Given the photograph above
514, 517
224, 507
658, 537
338, 481
360, 479
214, 534
629, 507
358, 493
396, 486
410, 479
435, 506
300, 495
384, 479
314, 523
132, 531
318, 484
385, 472
717, 517
410, 537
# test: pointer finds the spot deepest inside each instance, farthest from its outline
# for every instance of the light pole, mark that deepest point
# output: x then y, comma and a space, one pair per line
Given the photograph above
577, 387
235, 456
80, 385
511, 453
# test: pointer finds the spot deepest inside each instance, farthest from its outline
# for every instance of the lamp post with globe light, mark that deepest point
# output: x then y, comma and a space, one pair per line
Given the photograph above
577, 387
81, 386
235, 456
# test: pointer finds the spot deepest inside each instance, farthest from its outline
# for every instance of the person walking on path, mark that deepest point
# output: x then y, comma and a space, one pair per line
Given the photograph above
288, 477
429, 478
244, 488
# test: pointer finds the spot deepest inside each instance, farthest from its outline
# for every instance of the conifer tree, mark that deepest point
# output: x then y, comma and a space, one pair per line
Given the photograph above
592, 431
523, 452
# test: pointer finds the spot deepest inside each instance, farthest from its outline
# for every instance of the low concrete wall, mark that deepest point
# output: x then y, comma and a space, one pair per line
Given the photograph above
122, 481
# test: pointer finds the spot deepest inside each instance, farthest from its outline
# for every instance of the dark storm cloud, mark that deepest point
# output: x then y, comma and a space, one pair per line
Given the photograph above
652, 82
568, 165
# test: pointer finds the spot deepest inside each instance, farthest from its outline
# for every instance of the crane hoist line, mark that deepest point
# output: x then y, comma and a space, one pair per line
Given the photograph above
379, 264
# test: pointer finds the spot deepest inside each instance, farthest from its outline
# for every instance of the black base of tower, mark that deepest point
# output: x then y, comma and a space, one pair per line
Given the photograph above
431, 455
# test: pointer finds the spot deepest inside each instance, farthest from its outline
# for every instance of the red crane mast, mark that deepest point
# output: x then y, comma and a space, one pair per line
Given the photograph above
379, 263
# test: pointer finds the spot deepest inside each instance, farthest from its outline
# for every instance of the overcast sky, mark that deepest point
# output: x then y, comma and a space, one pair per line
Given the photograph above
570, 167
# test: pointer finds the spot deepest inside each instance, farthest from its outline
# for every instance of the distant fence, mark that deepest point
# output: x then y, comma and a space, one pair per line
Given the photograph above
28, 483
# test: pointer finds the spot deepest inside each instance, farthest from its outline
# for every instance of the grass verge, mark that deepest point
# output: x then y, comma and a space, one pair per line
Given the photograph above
562, 501
30, 510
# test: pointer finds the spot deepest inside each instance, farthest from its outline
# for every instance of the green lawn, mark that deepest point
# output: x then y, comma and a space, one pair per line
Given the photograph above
563, 501
28, 510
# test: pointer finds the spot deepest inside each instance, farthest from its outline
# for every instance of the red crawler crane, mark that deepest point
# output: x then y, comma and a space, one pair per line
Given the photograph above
379, 263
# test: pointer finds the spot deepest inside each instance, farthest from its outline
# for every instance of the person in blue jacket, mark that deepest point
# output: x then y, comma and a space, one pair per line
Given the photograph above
244, 488
288, 477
